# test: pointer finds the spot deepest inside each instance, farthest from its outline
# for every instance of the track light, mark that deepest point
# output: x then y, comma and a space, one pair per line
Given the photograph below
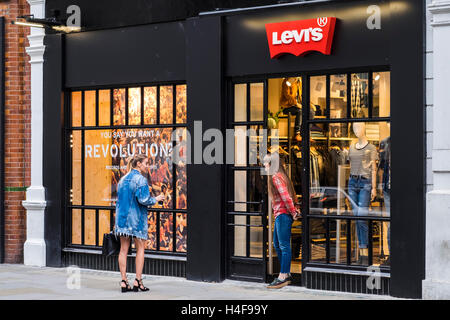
52, 23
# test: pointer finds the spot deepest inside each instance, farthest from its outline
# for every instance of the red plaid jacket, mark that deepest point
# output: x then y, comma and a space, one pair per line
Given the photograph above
282, 202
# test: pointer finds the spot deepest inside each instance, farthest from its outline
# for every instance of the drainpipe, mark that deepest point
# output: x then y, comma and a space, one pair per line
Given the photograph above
35, 248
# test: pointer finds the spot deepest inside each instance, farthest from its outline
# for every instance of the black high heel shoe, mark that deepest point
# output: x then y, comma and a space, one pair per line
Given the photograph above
127, 288
138, 287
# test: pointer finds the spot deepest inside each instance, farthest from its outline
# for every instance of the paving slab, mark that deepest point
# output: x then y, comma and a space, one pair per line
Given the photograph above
19, 282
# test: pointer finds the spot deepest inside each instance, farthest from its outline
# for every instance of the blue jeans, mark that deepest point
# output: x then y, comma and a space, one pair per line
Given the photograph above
387, 205
359, 190
282, 241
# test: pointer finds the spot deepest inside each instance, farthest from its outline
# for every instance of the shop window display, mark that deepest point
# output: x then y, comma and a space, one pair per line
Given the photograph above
349, 164
350, 176
100, 157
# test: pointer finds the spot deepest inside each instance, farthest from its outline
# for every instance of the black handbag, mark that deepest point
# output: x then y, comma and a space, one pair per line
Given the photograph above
111, 244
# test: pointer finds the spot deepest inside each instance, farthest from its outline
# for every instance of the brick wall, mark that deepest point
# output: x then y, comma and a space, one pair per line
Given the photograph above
17, 128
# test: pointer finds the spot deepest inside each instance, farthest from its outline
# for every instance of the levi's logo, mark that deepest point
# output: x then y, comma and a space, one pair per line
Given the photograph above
300, 37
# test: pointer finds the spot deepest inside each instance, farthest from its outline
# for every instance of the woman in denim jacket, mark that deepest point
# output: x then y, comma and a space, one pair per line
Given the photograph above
131, 217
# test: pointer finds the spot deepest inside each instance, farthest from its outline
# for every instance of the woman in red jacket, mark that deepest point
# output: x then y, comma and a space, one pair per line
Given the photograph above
283, 197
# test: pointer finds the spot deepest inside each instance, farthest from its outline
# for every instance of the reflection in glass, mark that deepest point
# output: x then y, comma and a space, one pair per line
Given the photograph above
256, 101
360, 254
76, 109
318, 96
181, 104
240, 102
240, 146
134, 106
381, 94
181, 232
338, 96
104, 107
338, 241
334, 158
381, 242
256, 136
89, 108
166, 105
256, 238
359, 95
240, 197
119, 107
150, 105
317, 235
165, 232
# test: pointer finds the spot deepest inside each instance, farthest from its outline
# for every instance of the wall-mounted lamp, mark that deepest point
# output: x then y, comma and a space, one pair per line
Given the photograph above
51, 23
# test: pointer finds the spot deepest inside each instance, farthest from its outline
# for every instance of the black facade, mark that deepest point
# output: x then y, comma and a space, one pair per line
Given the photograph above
209, 51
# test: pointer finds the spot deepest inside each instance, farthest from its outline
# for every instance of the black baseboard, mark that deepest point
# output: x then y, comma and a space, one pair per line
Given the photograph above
345, 282
152, 266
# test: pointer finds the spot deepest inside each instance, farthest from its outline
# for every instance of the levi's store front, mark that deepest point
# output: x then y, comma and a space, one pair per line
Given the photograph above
337, 87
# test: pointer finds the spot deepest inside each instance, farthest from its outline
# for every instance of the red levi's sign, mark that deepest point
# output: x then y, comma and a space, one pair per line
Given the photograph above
300, 37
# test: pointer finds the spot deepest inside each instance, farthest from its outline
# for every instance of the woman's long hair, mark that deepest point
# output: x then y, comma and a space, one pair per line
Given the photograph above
287, 94
133, 161
270, 158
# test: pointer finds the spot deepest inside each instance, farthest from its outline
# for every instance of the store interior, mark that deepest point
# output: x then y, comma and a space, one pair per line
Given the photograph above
329, 172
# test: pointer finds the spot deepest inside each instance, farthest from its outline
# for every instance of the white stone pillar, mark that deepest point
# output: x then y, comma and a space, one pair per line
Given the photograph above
34, 248
437, 282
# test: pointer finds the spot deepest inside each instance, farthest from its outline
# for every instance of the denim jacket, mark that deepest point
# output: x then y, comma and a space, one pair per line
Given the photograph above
131, 207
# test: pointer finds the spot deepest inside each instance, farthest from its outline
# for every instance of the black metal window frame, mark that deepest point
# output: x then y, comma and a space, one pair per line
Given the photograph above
68, 207
231, 169
306, 187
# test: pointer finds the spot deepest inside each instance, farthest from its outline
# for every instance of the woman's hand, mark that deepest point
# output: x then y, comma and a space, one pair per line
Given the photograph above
160, 198
297, 214
373, 194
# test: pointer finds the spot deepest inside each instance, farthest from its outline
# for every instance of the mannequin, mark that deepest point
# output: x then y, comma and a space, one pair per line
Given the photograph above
385, 166
290, 101
362, 183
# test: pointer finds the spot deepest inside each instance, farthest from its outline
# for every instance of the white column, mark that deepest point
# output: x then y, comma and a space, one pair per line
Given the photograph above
34, 248
437, 281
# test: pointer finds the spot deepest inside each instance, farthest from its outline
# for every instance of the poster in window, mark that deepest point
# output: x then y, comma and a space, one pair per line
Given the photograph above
151, 242
165, 232
181, 232
157, 145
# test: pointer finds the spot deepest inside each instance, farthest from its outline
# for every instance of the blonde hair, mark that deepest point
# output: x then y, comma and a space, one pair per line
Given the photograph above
133, 161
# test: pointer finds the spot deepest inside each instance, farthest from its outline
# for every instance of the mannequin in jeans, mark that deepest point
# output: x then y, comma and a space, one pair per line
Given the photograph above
385, 166
290, 102
362, 184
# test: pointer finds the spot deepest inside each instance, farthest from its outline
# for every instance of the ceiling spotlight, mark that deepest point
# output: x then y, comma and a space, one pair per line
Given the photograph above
50, 23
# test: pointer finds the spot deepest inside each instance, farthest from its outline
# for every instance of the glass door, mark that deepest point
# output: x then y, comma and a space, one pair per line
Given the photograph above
246, 207
285, 99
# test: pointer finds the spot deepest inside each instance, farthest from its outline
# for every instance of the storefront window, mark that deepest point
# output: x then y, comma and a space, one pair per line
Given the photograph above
99, 159
318, 97
359, 95
349, 175
338, 96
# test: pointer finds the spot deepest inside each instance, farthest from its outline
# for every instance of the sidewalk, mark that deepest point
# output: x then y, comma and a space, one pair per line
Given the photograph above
19, 282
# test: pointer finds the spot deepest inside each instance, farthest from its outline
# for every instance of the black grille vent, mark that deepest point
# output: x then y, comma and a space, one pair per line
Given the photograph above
152, 266
344, 283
